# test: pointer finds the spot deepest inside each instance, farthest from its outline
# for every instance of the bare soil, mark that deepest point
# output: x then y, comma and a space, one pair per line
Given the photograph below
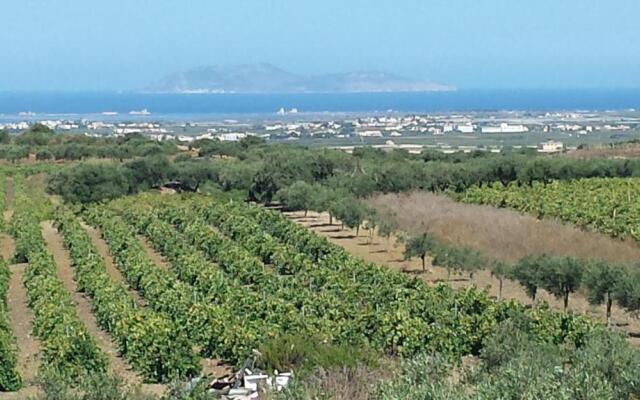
103, 249
211, 367
500, 234
156, 257
21, 318
391, 253
83, 305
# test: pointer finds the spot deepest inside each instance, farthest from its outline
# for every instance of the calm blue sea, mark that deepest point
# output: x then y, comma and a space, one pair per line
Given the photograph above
185, 105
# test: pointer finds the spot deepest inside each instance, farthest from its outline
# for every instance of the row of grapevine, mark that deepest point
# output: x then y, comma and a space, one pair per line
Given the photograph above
153, 345
358, 301
248, 315
208, 317
66, 346
610, 205
329, 313
9, 377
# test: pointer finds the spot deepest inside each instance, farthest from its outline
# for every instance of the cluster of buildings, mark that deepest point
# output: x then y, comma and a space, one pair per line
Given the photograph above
387, 128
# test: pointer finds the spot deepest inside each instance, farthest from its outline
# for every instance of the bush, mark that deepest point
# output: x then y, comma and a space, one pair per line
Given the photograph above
302, 353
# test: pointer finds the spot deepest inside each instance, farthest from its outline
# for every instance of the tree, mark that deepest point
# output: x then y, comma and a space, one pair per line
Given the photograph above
15, 153
627, 293
371, 221
4, 136
526, 272
561, 276
44, 155
149, 172
86, 183
263, 187
37, 135
470, 260
501, 271
298, 196
420, 246
387, 225
602, 280
351, 213
192, 174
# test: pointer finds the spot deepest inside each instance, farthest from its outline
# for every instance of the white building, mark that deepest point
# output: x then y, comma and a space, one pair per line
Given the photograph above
232, 137
370, 133
551, 146
466, 128
505, 128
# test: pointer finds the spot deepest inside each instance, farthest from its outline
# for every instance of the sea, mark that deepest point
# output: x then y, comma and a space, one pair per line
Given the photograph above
186, 107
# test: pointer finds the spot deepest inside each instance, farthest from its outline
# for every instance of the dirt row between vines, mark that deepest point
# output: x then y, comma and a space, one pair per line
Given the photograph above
210, 366
390, 253
114, 273
21, 320
65, 273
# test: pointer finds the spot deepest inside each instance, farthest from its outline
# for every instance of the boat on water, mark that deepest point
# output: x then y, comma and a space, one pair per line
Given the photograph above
110, 113
141, 112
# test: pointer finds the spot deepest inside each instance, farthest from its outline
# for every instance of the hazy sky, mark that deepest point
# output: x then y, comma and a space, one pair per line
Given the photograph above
124, 44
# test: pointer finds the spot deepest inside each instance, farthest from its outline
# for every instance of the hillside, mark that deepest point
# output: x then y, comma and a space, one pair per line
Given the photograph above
266, 78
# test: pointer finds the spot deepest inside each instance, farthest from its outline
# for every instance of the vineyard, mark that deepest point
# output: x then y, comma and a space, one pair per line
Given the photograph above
292, 281
235, 278
610, 206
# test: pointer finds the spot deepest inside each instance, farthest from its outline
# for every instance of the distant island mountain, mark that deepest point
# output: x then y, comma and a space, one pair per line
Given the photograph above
266, 78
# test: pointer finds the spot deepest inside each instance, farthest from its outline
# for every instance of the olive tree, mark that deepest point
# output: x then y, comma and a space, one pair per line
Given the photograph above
601, 281
527, 273
561, 276
420, 246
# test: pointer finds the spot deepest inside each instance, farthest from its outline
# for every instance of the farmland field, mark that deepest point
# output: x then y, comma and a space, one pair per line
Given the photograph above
116, 276
610, 206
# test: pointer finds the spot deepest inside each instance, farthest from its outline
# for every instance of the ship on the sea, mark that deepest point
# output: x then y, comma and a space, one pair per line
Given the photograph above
144, 111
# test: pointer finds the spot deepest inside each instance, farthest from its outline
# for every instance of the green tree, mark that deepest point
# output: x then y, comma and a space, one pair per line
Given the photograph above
192, 174
15, 153
44, 155
601, 281
420, 246
527, 273
627, 293
149, 172
351, 213
298, 196
87, 183
37, 135
561, 276
5, 137
263, 187
387, 225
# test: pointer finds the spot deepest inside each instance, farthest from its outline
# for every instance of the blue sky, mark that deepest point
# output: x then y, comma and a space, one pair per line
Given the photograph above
126, 44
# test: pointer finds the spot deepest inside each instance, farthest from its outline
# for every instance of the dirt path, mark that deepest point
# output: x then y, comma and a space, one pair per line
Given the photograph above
212, 367
21, 318
7, 247
103, 249
156, 257
387, 252
83, 304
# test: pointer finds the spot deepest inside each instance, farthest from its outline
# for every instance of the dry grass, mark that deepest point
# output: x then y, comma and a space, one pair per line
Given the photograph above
345, 383
499, 233
631, 150
390, 253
